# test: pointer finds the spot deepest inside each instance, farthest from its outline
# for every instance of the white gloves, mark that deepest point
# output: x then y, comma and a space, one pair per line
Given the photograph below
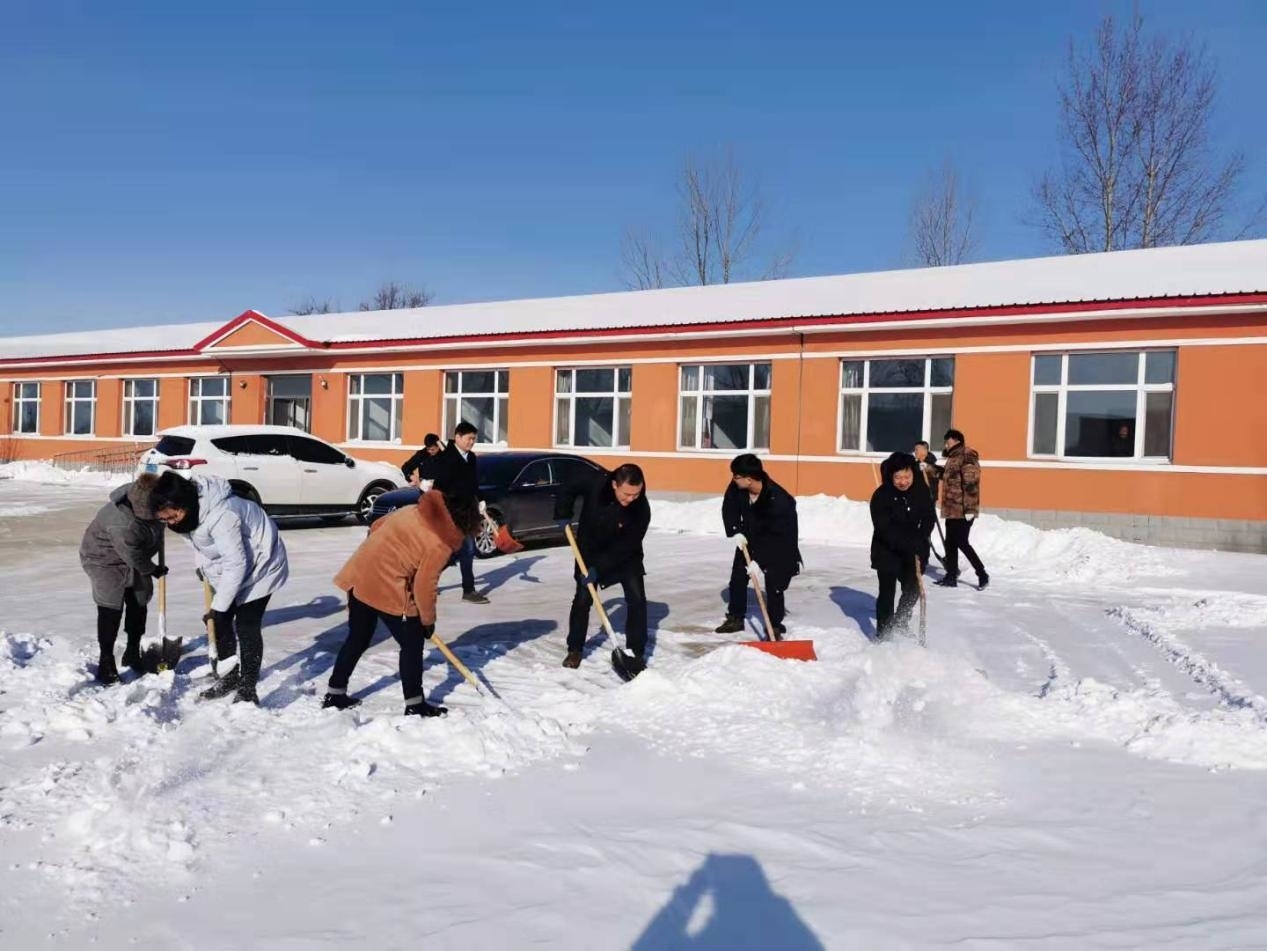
970, 516
754, 570
483, 507
426, 484
741, 540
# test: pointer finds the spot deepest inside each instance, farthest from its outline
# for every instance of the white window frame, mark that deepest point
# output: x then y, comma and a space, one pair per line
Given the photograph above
928, 391
620, 440
396, 393
72, 400
452, 407
1064, 388
698, 394
130, 401
20, 401
197, 398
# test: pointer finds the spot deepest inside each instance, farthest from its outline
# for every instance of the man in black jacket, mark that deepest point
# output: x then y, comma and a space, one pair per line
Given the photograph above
614, 518
456, 475
928, 474
760, 513
422, 465
900, 514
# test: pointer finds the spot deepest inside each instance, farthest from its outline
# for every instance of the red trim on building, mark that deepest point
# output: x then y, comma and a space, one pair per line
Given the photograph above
765, 323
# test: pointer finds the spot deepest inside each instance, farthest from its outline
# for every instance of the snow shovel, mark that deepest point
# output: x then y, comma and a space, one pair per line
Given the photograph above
626, 665
776, 645
923, 602
456, 664
506, 543
164, 654
937, 522
212, 652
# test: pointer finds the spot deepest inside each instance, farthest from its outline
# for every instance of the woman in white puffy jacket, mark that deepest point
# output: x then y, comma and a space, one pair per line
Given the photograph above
241, 554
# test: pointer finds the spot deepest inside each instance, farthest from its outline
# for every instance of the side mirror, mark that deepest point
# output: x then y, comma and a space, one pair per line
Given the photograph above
349, 462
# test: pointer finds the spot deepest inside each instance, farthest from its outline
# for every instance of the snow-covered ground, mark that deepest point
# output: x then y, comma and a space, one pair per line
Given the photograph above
1078, 759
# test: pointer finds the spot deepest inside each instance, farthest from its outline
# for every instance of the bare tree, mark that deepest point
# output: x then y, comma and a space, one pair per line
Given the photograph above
311, 305
393, 296
943, 216
1139, 169
721, 221
644, 265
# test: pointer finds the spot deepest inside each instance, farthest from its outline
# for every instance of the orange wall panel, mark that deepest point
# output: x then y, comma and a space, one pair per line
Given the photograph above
655, 397
52, 408
785, 406
330, 406
531, 407
1220, 407
424, 406
991, 404
246, 403
820, 413
109, 416
252, 334
173, 402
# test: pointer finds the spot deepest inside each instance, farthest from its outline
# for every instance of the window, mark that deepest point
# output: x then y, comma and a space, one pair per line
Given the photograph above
26, 408
375, 403
209, 400
315, 451
888, 405
290, 401
591, 407
478, 397
725, 406
253, 444
81, 407
1118, 404
140, 407
534, 474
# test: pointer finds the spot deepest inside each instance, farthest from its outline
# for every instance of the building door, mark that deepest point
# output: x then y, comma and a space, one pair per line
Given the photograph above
290, 401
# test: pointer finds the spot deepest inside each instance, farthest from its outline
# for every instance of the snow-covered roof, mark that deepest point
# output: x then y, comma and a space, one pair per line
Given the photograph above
1209, 270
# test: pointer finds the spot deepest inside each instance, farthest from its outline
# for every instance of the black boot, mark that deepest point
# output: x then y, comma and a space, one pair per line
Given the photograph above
424, 709
950, 581
573, 660
226, 685
732, 625
132, 654
107, 672
982, 580
339, 701
246, 694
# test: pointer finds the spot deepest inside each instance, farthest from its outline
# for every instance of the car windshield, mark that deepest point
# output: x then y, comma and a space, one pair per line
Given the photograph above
175, 446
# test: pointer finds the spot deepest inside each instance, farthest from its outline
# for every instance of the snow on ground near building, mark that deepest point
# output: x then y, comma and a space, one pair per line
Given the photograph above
1078, 759
44, 472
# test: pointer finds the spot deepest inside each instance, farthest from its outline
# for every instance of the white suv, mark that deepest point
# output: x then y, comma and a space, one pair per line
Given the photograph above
288, 471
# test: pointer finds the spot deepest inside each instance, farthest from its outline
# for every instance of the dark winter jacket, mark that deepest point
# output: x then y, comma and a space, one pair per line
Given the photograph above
426, 464
929, 472
609, 534
961, 483
455, 476
900, 521
119, 545
770, 526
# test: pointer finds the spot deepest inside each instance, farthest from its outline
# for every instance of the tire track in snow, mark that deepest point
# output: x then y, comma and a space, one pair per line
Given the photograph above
1229, 690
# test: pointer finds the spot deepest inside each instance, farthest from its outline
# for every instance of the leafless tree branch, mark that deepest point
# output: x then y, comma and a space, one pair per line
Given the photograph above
394, 296
943, 218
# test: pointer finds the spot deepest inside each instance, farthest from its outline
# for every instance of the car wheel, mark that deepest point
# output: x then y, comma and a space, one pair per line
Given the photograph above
486, 537
244, 491
365, 504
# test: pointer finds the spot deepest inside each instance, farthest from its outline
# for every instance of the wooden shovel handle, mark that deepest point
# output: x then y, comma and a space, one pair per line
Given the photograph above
771, 633
455, 663
593, 589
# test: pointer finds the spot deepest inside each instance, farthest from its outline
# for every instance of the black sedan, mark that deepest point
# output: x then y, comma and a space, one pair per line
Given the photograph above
520, 488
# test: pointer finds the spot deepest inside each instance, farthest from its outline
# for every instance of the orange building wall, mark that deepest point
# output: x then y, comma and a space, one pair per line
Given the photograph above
991, 404
1221, 411
653, 422
531, 418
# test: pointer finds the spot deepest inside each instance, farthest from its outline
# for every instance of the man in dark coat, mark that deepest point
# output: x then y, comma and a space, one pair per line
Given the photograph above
960, 505
456, 473
422, 465
615, 515
900, 514
116, 554
928, 475
760, 513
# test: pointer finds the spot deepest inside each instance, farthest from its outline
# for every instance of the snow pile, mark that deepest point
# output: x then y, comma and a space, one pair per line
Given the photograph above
1065, 554
45, 472
23, 509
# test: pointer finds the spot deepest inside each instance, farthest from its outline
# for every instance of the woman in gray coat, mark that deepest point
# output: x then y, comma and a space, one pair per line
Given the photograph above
116, 552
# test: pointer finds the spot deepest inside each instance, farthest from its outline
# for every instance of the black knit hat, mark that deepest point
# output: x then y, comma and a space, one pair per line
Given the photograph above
174, 492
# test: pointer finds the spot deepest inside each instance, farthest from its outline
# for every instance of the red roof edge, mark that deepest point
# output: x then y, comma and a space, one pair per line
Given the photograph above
254, 316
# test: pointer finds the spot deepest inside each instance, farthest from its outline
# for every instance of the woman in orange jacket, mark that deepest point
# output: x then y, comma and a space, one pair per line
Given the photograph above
392, 577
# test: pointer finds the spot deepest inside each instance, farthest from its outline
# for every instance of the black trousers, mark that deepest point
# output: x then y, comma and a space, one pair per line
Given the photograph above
957, 530
885, 617
739, 582
362, 621
132, 614
246, 626
635, 613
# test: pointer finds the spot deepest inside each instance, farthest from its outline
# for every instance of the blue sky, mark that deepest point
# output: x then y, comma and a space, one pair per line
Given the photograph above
167, 162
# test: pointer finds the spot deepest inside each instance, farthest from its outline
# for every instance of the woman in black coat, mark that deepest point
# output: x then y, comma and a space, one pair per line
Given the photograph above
901, 514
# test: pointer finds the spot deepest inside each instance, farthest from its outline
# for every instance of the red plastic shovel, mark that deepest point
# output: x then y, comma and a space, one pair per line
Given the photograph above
788, 650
